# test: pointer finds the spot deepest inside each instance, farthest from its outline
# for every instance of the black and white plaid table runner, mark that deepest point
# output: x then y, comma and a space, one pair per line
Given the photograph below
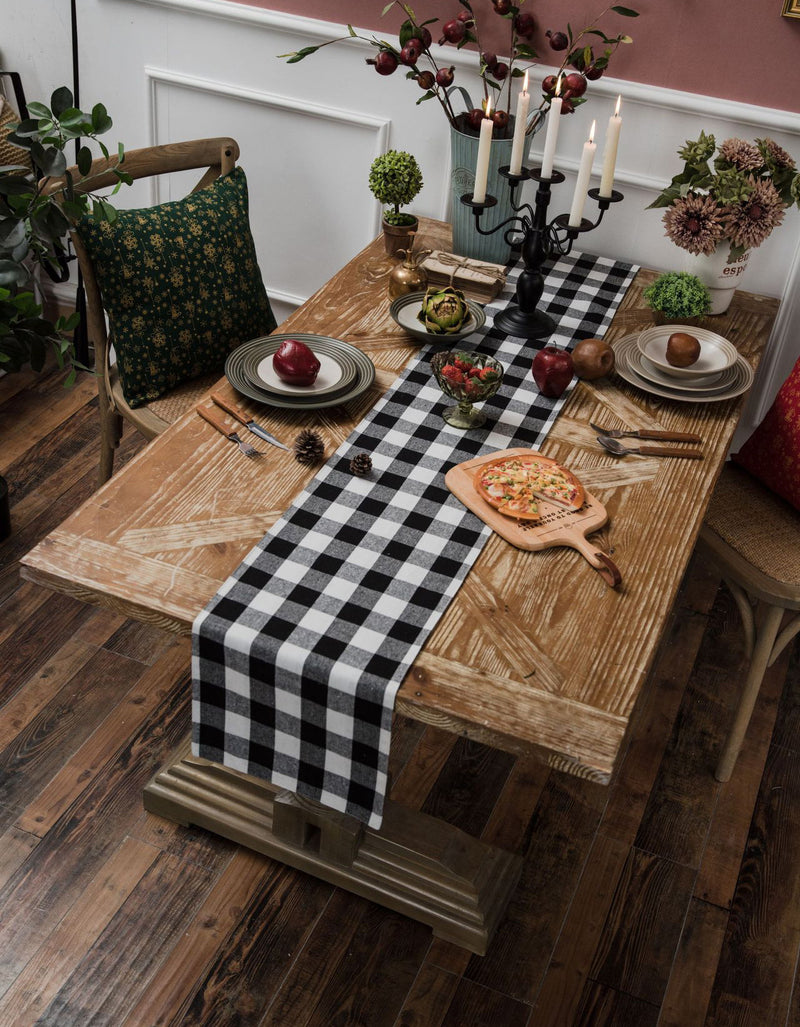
297, 659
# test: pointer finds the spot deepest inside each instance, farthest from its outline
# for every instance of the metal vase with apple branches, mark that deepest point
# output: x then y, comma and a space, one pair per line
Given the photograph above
542, 239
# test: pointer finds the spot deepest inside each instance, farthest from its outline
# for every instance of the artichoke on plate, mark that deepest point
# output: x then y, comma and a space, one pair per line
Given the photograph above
444, 311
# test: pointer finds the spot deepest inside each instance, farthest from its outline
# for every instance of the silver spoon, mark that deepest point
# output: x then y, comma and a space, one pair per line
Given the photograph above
615, 447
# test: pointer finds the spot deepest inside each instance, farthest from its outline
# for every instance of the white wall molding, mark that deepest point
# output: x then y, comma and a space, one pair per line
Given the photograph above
160, 78
694, 104
275, 100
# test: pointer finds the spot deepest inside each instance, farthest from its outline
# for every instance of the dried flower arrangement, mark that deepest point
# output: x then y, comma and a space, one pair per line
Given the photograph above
739, 196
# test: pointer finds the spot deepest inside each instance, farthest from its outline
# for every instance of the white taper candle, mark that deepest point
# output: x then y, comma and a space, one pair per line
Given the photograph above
520, 125
610, 151
553, 121
582, 183
484, 151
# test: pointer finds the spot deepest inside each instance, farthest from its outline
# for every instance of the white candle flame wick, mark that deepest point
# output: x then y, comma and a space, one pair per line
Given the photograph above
616, 109
591, 132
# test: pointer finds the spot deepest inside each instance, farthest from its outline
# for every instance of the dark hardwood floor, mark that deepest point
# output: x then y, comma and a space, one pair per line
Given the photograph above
665, 898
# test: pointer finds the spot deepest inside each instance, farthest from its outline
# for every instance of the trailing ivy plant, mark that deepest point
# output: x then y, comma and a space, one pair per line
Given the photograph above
34, 226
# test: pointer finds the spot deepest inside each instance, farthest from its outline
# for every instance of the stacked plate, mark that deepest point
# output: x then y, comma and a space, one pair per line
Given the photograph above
345, 372
719, 372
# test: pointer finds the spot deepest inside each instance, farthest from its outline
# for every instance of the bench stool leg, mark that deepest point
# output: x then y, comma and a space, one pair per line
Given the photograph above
761, 659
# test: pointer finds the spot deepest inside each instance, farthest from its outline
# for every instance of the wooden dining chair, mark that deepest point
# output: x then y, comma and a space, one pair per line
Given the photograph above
753, 537
112, 301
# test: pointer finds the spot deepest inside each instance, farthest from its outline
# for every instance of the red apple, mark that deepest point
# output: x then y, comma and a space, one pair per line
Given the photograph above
295, 364
552, 370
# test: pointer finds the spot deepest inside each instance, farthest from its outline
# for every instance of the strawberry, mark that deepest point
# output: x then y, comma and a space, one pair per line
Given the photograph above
488, 375
452, 375
462, 365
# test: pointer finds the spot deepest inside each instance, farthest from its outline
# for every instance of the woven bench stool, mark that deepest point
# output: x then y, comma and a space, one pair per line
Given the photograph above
753, 537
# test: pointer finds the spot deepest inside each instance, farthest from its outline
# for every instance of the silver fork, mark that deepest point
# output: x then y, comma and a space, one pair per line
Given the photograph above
245, 447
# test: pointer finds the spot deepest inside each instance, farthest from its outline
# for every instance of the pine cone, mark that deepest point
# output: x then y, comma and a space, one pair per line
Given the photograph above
309, 448
361, 465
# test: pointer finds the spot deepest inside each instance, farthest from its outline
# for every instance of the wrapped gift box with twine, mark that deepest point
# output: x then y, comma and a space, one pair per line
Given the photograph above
476, 279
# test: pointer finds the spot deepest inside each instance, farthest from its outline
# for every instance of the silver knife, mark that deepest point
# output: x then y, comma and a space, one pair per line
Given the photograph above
248, 422
644, 433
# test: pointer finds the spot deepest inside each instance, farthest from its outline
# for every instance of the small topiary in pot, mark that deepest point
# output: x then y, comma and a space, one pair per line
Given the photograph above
678, 296
395, 179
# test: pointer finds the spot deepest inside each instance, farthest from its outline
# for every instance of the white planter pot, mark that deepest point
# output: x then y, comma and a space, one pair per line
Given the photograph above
721, 276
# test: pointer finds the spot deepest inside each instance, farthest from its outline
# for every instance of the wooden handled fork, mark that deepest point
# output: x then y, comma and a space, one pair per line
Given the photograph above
245, 447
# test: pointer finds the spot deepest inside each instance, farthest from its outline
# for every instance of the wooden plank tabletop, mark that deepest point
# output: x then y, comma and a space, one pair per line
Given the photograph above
535, 653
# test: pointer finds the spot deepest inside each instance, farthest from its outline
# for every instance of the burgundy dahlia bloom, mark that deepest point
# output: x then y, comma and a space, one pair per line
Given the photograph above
695, 223
749, 223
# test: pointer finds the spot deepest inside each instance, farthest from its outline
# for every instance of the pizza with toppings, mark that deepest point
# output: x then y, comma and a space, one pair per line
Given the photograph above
514, 484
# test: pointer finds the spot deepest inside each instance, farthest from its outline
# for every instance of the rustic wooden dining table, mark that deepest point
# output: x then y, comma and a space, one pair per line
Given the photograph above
535, 655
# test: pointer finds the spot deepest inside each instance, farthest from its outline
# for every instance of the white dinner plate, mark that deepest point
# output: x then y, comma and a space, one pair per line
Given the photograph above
625, 368
330, 374
716, 353
703, 383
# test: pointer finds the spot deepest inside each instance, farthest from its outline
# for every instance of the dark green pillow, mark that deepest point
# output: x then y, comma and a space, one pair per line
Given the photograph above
181, 285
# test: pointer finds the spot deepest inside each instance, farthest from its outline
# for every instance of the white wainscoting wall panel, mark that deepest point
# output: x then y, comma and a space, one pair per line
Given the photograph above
286, 202
170, 69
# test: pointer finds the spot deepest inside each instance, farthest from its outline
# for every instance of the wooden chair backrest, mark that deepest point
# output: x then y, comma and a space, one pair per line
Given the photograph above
217, 155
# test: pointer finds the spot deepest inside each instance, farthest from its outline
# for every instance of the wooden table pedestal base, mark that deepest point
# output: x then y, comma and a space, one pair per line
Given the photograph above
416, 864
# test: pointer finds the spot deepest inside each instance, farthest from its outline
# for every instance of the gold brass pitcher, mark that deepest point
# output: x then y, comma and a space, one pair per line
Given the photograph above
408, 276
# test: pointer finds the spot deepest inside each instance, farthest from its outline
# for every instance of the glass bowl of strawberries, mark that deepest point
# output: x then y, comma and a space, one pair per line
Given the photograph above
469, 378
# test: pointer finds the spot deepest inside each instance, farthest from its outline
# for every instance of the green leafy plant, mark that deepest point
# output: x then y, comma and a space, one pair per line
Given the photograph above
738, 196
395, 179
433, 75
34, 224
678, 294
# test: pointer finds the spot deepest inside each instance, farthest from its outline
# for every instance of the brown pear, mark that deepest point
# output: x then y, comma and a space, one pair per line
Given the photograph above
682, 349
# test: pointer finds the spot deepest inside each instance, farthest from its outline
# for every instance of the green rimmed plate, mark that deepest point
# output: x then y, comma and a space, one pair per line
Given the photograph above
235, 371
338, 370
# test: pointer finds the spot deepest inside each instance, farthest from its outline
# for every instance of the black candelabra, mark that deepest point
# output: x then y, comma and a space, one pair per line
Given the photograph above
541, 240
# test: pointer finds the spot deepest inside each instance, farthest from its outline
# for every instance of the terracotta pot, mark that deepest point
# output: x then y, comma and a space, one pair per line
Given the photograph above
398, 237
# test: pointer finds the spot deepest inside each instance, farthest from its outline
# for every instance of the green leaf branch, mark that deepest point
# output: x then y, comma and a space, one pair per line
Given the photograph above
34, 222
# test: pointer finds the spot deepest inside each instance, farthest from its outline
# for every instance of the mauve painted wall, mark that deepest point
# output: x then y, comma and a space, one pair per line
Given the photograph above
734, 49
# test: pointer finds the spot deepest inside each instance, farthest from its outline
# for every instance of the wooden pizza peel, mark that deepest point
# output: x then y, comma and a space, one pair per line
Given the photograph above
556, 527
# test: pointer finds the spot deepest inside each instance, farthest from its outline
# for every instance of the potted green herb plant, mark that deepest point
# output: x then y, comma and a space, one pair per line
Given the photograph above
34, 226
394, 180
33, 229
678, 296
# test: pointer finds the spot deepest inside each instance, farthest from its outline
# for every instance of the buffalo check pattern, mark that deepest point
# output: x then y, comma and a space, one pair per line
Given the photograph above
297, 659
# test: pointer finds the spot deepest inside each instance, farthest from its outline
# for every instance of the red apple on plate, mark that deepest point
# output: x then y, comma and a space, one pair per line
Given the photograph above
295, 364
552, 370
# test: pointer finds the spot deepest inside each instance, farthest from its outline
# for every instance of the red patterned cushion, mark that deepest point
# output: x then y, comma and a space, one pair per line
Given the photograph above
772, 453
